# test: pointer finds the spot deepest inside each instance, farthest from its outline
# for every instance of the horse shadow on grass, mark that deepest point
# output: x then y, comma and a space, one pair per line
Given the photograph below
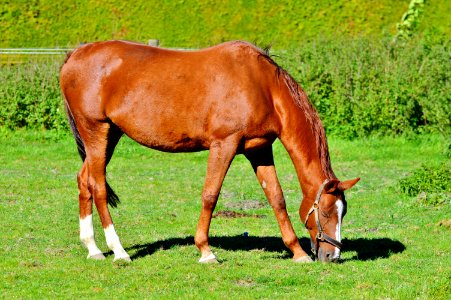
365, 248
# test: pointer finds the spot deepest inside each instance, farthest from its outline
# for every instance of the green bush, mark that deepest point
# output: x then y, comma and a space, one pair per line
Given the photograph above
363, 86
30, 96
430, 184
410, 20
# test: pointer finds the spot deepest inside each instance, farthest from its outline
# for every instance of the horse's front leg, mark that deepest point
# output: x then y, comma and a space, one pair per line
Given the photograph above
263, 164
219, 160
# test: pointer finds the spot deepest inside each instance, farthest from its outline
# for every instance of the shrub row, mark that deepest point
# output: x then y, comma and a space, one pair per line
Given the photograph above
359, 86
30, 96
363, 86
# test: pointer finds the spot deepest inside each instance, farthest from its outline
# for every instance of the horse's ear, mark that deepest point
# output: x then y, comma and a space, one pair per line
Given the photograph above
346, 185
331, 186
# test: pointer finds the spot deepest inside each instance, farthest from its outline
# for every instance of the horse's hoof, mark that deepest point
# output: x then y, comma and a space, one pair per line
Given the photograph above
210, 259
99, 256
303, 259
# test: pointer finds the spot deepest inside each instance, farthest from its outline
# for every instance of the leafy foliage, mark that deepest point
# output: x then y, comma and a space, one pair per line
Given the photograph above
410, 19
362, 86
30, 97
430, 184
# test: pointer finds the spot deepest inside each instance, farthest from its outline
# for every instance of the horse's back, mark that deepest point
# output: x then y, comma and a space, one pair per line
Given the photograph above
171, 100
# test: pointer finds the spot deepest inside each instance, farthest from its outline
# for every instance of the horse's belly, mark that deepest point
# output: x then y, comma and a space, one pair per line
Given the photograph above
169, 136
173, 144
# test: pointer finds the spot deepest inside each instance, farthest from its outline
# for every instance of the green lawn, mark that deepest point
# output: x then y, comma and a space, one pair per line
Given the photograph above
394, 247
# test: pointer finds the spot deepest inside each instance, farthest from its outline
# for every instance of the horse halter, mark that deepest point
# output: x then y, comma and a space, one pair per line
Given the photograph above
321, 235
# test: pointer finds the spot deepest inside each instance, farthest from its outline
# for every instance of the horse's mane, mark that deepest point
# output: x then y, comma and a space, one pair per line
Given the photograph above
301, 100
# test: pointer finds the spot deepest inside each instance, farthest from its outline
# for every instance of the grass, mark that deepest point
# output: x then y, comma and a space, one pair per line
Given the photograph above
394, 246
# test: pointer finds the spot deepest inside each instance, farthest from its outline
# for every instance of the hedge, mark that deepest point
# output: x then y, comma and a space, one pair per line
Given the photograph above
360, 86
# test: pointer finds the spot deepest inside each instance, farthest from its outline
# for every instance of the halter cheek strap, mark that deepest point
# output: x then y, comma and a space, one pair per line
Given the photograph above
321, 235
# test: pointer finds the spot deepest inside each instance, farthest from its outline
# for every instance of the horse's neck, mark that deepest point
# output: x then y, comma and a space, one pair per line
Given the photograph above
304, 138
306, 159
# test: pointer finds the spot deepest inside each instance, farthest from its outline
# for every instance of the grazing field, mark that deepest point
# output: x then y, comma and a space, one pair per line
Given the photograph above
394, 246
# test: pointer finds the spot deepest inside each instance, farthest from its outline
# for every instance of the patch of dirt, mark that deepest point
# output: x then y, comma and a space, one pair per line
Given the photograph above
246, 282
245, 204
445, 223
233, 214
227, 195
54, 251
30, 264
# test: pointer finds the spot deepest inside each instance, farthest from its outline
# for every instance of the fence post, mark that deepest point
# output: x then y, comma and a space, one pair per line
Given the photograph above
154, 43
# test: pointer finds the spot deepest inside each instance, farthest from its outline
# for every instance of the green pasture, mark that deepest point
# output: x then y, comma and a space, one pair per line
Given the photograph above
382, 92
394, 245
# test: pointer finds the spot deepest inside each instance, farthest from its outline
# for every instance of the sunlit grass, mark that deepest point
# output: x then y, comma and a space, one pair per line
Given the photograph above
394, 246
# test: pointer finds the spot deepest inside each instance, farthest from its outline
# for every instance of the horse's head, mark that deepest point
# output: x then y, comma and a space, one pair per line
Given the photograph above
324, 217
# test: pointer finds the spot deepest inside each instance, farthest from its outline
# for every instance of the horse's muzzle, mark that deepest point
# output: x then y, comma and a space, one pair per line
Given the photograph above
327, 255
324, 255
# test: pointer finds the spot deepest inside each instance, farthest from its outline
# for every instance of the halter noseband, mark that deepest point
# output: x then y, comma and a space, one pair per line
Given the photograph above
321, 235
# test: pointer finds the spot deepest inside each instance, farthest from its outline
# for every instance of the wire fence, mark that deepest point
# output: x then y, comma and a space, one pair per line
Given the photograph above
14, 56
22, 55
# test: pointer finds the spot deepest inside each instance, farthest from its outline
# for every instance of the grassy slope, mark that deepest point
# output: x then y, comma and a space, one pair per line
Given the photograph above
192, 23
394, 248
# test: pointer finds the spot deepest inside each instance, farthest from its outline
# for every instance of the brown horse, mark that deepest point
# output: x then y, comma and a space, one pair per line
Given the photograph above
231, 99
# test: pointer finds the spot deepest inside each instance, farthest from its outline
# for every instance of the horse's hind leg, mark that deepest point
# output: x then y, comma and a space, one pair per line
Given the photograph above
263, 164
219, 160
86, 226
99, 143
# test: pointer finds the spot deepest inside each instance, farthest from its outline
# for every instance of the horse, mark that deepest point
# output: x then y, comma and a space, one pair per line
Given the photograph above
229, 99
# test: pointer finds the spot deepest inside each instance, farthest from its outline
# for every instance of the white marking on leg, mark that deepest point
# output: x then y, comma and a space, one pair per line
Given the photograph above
264, 184
339, 205
113, 242
87, 236
209, 257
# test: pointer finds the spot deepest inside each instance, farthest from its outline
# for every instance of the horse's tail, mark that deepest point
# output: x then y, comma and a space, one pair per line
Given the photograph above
112, 198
